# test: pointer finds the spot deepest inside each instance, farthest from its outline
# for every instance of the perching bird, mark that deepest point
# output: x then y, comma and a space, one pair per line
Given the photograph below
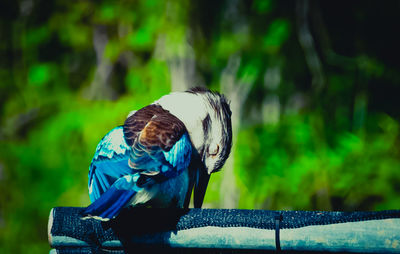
160, 153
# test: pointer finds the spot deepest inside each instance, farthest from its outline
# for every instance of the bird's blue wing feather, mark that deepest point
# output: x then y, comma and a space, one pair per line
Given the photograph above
112, 143
154, 160
159, 141
114, 199
112, 181
109, 163
180, 153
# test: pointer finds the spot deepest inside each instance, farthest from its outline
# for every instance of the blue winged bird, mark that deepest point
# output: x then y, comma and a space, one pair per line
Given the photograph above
161, 153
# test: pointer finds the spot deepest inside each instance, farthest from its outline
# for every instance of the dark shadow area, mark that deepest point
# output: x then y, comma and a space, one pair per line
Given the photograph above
134, 222
139, 221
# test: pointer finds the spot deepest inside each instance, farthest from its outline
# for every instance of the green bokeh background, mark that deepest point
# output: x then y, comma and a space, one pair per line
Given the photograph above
314, 87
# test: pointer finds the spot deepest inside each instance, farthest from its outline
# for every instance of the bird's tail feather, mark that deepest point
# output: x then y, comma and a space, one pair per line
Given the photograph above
108, 205
112, 201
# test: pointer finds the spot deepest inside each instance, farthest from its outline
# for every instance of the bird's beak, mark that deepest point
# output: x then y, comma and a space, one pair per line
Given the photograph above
200, 187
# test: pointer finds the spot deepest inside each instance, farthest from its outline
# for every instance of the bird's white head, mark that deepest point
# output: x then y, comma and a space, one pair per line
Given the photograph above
207, 117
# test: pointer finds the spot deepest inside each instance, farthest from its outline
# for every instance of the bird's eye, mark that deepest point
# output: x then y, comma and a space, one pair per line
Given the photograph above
213, 150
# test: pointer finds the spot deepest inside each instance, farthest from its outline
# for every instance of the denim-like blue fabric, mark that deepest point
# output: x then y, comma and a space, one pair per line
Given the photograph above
214, 227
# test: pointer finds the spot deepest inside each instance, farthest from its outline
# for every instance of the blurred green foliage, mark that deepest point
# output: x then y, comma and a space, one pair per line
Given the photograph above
317, 130
291, 166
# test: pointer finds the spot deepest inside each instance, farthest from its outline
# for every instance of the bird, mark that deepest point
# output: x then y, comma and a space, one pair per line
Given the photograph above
161, 154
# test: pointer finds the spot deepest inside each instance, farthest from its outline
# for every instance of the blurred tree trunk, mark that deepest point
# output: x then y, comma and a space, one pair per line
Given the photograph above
314, 63
237, 92
308, 45
271, 106
100, 88
183, 71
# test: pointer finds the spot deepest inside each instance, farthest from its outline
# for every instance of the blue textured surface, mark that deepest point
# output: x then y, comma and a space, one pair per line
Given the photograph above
372, 232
